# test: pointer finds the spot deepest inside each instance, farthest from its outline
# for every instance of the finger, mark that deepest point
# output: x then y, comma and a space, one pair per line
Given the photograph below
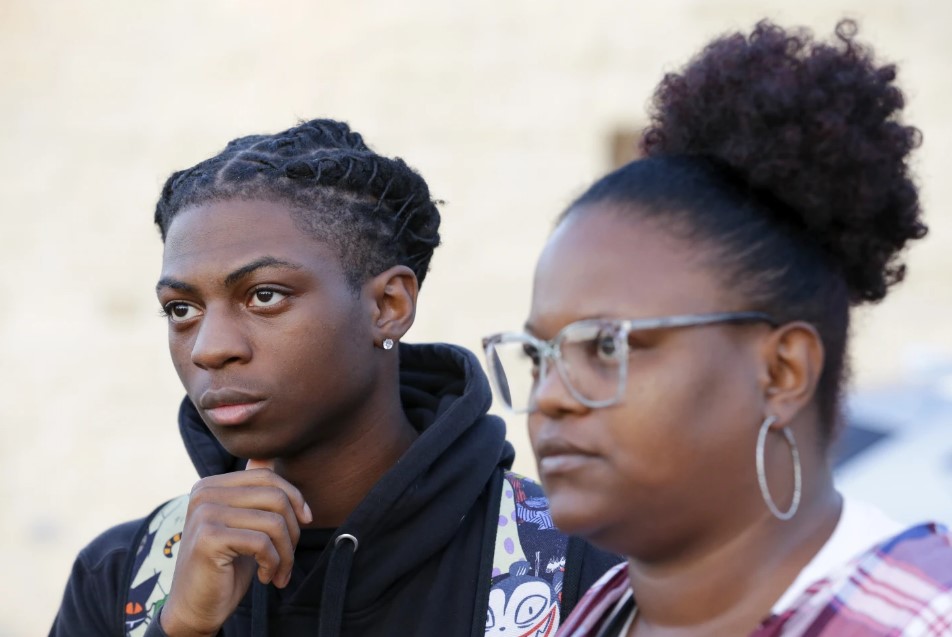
214, 523
262, 478
300, 506
211, 504
231, 543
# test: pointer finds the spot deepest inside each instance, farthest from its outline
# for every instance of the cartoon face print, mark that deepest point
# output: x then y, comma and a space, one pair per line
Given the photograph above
522, 606
137, 606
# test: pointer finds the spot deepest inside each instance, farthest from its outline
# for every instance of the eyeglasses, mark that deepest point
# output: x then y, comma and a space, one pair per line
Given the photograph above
591, 356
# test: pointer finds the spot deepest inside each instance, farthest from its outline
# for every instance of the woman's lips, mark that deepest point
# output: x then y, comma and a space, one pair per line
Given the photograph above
230, 415
556, 455
563, 463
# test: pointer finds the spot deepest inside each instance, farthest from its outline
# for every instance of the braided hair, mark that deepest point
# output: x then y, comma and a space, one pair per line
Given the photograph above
785, 159
376, 212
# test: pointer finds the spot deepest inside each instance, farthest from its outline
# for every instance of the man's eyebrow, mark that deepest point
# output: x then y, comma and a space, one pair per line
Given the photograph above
233, 277
175, 284
257, 264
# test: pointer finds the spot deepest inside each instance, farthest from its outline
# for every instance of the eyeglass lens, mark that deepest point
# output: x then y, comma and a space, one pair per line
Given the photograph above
591, 361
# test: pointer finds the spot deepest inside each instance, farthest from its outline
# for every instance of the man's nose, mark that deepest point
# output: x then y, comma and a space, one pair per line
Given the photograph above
220, 340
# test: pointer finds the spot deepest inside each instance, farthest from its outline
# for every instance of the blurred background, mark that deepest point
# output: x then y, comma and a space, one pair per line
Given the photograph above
509, 109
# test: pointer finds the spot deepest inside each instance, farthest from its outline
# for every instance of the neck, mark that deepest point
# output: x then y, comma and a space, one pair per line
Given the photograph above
730, 588
334, 476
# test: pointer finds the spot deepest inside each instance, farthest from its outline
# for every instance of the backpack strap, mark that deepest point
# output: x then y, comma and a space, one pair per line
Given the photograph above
528, 563
149, 576
572, 584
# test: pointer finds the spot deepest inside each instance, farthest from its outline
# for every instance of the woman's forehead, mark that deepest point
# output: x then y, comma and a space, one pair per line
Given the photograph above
605, 264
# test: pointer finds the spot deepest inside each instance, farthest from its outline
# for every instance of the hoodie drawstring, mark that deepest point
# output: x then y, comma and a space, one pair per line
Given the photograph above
335, 585
259, 608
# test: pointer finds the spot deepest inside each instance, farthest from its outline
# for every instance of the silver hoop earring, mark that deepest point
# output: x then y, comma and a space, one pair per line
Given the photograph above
762, 474
388, 343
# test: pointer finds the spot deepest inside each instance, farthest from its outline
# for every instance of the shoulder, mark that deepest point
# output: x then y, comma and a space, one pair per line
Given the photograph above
902, 586
912, 572
91, 599
598, 602
131, 537
919, 555
100, 588
110, 546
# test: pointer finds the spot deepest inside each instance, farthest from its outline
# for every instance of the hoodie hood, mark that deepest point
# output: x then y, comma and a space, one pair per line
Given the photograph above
418, 506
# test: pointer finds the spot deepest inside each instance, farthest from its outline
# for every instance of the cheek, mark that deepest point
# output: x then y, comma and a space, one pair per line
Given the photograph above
680, 416
647, 435
303, 357
180, 351
320, 357
533, 424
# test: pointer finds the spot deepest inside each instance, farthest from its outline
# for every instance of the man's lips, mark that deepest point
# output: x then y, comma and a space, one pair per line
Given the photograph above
230, 406
234, 414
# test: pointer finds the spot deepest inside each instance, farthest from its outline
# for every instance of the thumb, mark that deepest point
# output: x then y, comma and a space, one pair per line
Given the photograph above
256, 463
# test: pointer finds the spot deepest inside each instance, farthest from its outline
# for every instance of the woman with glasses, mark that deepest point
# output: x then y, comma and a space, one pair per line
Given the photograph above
685, 353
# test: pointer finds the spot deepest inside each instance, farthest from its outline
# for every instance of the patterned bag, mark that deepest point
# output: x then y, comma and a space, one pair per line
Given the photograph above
525, 596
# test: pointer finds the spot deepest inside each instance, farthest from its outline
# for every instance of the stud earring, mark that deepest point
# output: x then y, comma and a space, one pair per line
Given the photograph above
388, 343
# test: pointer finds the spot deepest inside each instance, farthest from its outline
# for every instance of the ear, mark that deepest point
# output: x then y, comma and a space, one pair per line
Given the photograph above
794, 357
393, 294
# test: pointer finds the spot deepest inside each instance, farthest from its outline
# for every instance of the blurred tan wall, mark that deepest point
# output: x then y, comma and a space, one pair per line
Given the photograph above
505, 107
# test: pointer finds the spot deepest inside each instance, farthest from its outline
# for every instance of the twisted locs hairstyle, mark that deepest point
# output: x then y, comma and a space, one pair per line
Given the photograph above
376, 212
783, 160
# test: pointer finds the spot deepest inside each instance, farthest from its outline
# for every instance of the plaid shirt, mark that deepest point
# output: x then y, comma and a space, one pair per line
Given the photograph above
900, 588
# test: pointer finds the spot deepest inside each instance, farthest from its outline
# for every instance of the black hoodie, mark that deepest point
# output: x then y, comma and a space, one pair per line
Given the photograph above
425, 532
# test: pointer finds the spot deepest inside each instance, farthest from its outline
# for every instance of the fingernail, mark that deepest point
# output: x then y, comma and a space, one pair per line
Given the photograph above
308, 516
255, 463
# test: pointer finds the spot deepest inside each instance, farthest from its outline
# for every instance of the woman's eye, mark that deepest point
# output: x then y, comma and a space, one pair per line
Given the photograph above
266, 297
532, 353
607, 347
179, 312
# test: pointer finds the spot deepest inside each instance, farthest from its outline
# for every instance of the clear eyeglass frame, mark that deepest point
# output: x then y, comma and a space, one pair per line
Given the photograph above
586, 330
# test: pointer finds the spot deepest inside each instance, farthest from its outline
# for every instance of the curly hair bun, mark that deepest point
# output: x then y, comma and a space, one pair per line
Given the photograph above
813, 128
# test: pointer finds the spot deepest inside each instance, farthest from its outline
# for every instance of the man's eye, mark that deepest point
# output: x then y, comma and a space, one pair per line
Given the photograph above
266, 297
179, 312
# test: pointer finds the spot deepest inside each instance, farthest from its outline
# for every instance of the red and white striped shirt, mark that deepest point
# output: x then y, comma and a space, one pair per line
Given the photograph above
900, 588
